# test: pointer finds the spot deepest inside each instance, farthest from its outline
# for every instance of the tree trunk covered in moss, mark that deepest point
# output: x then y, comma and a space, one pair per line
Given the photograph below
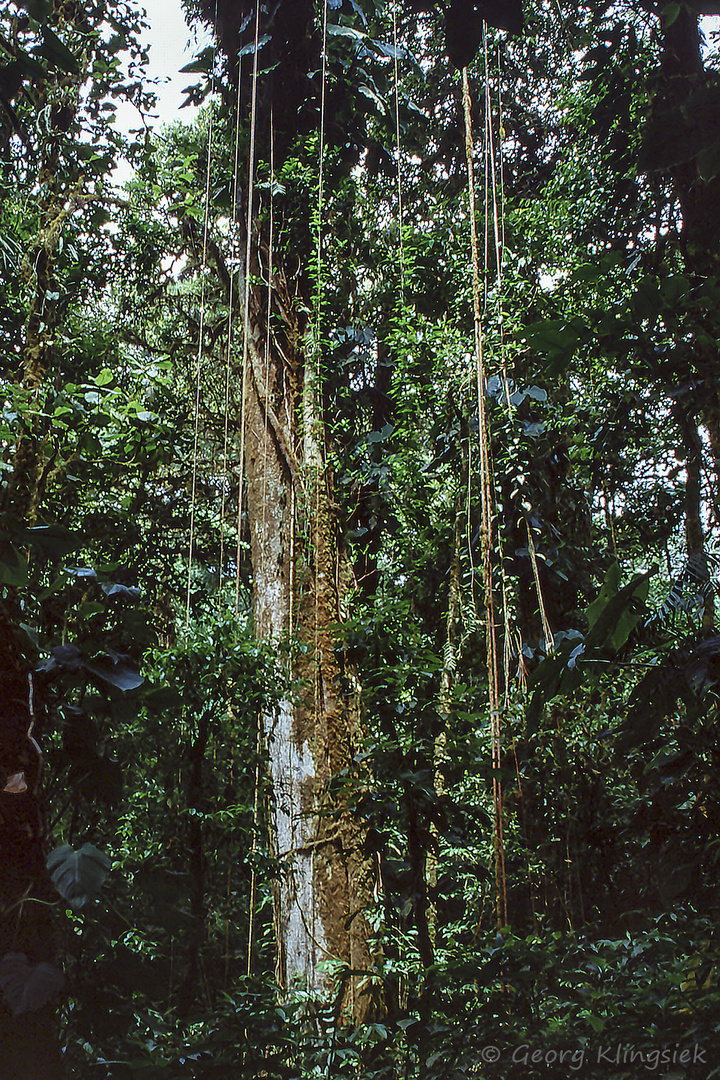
325, 882
682, 75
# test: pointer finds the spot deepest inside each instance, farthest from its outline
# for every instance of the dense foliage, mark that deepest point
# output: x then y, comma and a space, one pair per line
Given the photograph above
138, 870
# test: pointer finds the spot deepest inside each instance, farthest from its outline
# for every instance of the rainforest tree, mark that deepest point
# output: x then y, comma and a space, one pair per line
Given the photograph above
241, 401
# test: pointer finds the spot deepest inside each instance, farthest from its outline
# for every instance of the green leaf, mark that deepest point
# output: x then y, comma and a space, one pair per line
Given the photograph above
673, 289
534, 711
54, 540
164, 699
347, 32
78, 875
379, 436
587, 273
249, 49
114, 672
557, 340
370, 94
40, 10
708, 162
203, 63
681, 677
16, 573
27, 987
670, 13
614, 614
608, 589
56, 52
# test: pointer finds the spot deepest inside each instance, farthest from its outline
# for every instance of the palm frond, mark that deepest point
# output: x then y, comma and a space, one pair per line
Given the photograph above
697, 580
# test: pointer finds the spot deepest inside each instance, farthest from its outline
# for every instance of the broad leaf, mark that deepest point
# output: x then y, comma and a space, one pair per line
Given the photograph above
708, 162
114, 672
78, 875
27, 987
54, 50
614, 614
680, 678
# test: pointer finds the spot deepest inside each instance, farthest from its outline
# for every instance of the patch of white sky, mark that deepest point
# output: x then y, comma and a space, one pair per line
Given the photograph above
171, 45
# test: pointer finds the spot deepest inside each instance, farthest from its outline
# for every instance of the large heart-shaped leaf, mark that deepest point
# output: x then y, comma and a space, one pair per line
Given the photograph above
113, 671
25, 986
78, 875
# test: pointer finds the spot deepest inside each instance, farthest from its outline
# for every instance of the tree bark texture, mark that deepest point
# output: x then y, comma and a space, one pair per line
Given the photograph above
682, 75
325, 882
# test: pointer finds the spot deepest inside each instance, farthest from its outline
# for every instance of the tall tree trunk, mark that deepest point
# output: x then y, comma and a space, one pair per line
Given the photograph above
692, 445
694, 532
711, 421
325, 882
682, 74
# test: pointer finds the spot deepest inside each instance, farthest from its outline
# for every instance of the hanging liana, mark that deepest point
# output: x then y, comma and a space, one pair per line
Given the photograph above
486, 530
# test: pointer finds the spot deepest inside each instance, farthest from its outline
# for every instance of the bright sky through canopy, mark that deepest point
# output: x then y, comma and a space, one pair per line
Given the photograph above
171, 45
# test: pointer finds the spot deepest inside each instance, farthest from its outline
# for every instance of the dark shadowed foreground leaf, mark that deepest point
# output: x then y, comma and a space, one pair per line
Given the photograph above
27, 987
78, 875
